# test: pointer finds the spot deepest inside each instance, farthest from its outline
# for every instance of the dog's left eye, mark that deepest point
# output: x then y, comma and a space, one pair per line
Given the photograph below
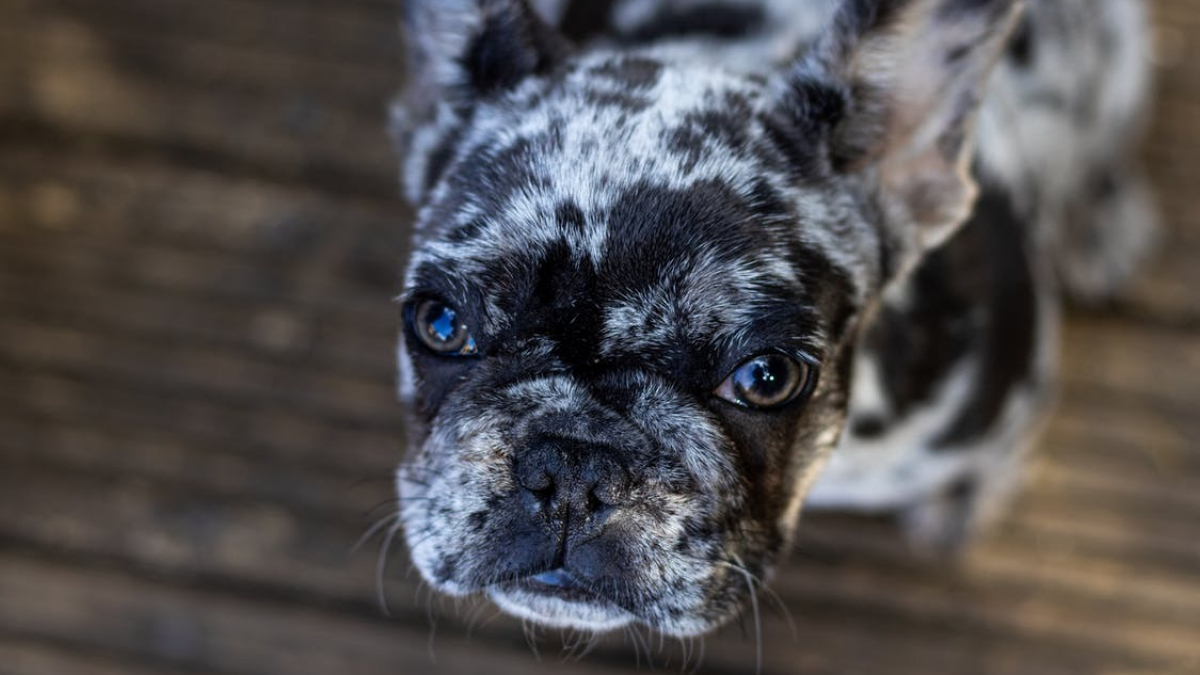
766, 381
438, 327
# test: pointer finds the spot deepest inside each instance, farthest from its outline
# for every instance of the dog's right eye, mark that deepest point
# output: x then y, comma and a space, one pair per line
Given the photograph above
438, 327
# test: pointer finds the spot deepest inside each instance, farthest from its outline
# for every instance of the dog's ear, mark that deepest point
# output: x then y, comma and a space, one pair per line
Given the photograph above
459, 53
893, 87
461, 50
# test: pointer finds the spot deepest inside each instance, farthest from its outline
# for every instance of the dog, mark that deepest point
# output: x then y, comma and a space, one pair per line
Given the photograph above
681, 267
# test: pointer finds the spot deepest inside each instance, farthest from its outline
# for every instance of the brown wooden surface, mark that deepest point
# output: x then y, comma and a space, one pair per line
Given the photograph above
199, 236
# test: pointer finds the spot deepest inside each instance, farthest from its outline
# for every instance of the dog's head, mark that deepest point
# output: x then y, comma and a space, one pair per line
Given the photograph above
631, 310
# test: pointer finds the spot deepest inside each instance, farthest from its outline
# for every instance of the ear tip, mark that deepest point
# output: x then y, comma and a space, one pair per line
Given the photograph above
470, 48
996, 8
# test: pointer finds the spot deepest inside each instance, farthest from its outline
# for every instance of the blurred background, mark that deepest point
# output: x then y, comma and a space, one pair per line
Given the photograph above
200, 232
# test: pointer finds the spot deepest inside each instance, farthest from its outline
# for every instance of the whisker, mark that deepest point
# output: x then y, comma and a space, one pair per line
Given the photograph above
371, 480
373, 530
531, 638
632, 638
370, 513
593, 642
765, 589
381, 568
758, 645
475, 616
431, 641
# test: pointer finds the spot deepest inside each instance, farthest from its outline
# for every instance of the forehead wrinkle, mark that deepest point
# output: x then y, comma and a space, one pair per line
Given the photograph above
710, 300
604, 136
598, 149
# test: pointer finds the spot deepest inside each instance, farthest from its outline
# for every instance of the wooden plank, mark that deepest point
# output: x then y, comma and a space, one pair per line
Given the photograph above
186, 534
1098, 352
330, 489
113, 611
268, 432
142, 317
1095, 357
189, 274
130, 199
228, 375
1160, 365
1163, 531
1078, 465
1166, 292
147, 526
1130, 435
294, 130
819, 646
277, 331
264, 72
342, 32
23, 657
1108, 430
154, 57
94, 94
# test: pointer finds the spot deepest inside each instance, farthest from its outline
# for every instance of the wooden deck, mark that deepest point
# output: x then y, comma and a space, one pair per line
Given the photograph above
199, 235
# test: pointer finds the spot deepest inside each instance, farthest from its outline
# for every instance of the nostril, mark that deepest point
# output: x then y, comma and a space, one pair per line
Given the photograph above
540, 501
540, 486
546, 494
539, 482
594, 502
533, 478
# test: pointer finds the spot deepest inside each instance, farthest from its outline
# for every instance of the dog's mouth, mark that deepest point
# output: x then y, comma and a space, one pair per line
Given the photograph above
560, 584
558, 598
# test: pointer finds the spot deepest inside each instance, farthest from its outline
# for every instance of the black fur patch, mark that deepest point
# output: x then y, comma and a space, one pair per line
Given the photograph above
514, 44
715, 19
799, 128
570, 217
974, 296
585, 19
1008, 338
1022, 44
634, 72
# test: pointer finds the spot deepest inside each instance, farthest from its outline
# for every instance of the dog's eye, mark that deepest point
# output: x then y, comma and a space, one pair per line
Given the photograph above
766, 381
437, 326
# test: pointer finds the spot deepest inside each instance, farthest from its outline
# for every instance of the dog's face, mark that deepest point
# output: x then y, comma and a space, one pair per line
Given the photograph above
630, 315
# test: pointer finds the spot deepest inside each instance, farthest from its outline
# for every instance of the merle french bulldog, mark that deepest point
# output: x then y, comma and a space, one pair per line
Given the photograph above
684, 266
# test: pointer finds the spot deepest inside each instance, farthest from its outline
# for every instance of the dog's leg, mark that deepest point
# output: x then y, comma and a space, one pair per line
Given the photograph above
1105, 233
944, 525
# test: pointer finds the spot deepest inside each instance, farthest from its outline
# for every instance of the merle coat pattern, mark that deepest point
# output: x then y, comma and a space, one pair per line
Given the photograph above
622, 203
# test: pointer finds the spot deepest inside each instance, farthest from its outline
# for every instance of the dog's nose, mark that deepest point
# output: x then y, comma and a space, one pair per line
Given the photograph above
569, 479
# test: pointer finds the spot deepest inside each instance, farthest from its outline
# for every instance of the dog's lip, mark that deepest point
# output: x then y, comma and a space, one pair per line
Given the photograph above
558, 598
558, 583
559, 578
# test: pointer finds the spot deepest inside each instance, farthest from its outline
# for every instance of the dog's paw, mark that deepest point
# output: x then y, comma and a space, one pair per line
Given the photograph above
944, 526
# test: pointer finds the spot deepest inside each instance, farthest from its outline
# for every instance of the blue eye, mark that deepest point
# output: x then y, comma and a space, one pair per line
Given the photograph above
438, 327
766, 381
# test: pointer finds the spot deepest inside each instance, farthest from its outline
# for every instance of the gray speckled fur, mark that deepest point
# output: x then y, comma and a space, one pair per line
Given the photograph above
615, 221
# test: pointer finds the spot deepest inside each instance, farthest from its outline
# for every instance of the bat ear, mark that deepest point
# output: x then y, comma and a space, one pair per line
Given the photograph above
459, 53
911, 75
460, 50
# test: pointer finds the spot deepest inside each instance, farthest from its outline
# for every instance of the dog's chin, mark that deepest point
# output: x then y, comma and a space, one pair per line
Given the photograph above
576, 610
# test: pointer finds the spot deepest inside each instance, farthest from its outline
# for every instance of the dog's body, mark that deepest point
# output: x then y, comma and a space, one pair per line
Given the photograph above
662, 280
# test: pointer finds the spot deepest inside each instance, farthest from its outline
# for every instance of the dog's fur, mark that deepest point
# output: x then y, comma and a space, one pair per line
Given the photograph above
624, 200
